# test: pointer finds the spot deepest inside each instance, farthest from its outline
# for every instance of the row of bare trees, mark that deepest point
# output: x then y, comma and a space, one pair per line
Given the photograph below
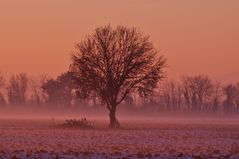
190, 94
20, 90
197, 94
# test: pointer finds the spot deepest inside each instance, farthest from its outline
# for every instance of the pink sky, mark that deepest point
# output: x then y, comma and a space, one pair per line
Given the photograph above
197, 36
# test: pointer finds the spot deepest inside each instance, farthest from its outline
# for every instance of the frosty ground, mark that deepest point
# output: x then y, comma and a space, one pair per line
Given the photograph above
25, 138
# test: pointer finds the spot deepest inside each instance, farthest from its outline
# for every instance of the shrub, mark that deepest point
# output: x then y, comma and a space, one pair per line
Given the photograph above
81, 123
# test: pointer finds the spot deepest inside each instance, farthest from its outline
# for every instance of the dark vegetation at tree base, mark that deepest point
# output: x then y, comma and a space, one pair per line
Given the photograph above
79, 124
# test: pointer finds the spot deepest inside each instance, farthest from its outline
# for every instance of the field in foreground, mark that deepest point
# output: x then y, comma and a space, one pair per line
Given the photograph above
35, 139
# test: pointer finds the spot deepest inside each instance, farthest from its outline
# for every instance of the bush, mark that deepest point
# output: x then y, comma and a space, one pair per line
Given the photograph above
81, 123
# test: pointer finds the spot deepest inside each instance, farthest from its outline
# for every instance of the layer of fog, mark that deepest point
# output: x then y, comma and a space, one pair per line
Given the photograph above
123, 115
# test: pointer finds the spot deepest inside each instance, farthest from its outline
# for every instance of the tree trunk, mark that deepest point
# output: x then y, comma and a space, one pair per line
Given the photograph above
114, 123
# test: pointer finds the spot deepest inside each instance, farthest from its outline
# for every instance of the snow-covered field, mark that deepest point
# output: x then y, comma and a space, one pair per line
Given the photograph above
35, 139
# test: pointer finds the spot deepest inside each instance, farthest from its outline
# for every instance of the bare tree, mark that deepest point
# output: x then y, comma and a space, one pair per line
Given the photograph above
114, 62
217, 98
17, 89
2, 85
37, 96
187, 93
172, 95
196, 90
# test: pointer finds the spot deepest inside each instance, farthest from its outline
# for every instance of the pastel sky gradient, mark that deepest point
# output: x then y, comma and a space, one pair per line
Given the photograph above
196, 36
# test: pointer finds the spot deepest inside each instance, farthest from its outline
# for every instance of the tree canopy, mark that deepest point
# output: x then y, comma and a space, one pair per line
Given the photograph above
115, 62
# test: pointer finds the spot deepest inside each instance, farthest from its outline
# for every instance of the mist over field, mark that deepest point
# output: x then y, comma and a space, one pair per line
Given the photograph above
148, 79
36, 134
125, 115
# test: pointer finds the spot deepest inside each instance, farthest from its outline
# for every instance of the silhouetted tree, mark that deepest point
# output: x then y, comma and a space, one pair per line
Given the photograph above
37, 97
197, 89
2, 85
232, 96
115, 62
217, 97
59, 91
2, 81
17, 89
66, 80
50, 87
187, 93
237, 100
172, 95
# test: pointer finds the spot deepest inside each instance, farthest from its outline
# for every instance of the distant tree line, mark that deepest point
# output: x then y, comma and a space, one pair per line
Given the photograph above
197, 94
22, 90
